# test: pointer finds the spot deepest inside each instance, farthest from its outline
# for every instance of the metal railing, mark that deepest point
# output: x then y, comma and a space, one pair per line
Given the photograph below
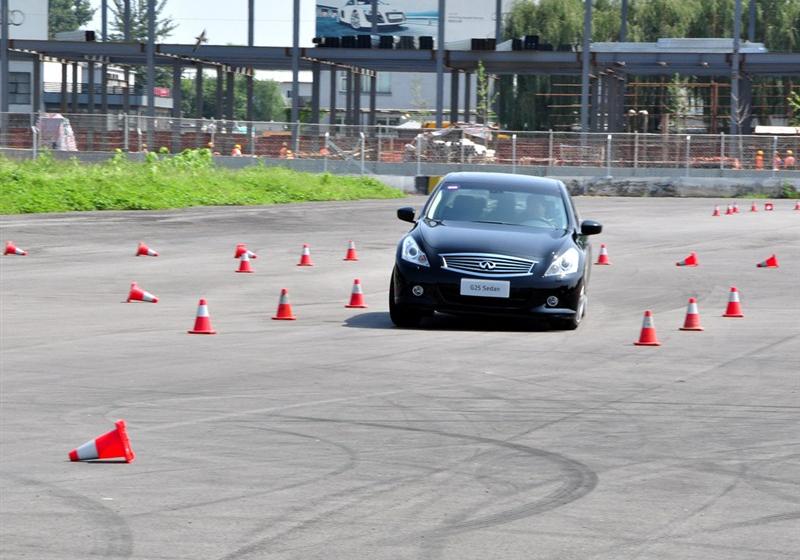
358, 147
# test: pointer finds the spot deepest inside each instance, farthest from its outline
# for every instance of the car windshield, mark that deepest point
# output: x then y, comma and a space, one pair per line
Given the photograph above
498, 205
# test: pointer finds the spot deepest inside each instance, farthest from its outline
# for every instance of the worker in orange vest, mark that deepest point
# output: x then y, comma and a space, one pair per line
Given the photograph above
789, 162
760, 159
237, 151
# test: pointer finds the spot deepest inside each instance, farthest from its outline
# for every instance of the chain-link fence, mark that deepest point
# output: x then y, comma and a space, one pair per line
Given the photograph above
354, 147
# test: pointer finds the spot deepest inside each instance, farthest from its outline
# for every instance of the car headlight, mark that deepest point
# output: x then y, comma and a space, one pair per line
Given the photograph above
412, 253
566, 263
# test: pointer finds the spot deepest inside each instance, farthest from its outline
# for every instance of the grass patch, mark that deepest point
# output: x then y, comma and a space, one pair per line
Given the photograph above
187, 179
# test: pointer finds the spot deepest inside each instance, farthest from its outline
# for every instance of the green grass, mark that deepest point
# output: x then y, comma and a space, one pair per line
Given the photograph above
188, 179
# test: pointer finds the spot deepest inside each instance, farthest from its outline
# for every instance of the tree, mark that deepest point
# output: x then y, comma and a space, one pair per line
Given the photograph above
68, 15
164, 25
268, 102
794, 103
485, 96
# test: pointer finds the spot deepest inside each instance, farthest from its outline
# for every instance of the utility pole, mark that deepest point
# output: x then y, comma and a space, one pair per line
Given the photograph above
737, 31
585, 60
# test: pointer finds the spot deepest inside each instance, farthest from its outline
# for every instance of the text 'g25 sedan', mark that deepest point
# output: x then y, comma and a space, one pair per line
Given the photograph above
493, 244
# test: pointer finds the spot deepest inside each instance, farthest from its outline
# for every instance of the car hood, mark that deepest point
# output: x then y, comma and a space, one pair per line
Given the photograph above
470, 237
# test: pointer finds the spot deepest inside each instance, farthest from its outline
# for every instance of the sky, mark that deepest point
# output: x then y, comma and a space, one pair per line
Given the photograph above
226, 21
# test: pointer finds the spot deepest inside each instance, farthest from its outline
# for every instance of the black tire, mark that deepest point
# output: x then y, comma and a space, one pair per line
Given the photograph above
401, 315
575, 321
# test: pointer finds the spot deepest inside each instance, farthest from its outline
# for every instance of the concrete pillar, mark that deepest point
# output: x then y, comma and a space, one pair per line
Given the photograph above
229, 98
198, 83
373, 98
177, 109
348, 96
315, 72
357, 99
467, 96
453, 97
64, 82
440, 64
333, 89
37, 84
585, 63
74, 87
219, 99
593, 106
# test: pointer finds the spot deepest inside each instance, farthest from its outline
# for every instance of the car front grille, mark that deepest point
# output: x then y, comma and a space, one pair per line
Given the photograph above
488, 265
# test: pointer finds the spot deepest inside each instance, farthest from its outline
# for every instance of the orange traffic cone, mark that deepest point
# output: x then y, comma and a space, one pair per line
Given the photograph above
692, 321
241, 249
202, 323
797, 206
138, 294
305, 258
771, 262
12, 249
729, 210
716, 211
244, 262
145, 251
284, 312
754, 207
769, 207
691, 260
602, 258
648, 335
111, 445
734, 309
357, 295
735, 207
351, 252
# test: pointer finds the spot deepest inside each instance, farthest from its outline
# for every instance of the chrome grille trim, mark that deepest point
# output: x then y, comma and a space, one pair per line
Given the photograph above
505, 266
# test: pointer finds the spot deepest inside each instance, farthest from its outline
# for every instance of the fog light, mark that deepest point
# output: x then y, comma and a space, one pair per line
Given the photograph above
417, 290
552, 301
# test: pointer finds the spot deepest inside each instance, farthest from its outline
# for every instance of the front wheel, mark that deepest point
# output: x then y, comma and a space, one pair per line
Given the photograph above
574, 322
401, 315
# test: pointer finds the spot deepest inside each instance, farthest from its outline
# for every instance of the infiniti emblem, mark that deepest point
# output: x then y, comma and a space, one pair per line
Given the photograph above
487, 265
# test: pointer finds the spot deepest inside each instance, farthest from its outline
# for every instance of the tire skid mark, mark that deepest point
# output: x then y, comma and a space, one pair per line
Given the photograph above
113, 537
349, 464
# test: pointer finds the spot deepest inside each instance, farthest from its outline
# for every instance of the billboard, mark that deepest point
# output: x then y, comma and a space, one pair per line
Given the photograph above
465, 19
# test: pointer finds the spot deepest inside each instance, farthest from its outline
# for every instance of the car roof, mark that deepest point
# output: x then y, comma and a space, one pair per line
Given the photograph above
505, 179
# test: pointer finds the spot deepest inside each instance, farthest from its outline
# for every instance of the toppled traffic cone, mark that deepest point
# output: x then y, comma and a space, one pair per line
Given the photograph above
754, 207
202, 323
12, 249
244, 263
716, 211
111, 445
729, 210
692, 321
351, 252
769, 207
734, 308
145, 251
241, 249
305, 258
735, 207
691, 260
357, 295
602, 258
648, 335
138, 294
284, 312
771, 262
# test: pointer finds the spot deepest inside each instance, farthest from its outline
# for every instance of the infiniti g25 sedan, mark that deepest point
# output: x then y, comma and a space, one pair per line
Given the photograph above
494, 244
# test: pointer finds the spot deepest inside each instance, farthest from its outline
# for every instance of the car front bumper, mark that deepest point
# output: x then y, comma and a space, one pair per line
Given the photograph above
527, 297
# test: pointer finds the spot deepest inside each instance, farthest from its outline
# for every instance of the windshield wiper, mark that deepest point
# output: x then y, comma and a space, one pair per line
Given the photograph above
490, 222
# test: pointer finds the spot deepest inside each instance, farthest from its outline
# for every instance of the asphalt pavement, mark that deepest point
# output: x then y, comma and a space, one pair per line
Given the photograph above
338, 436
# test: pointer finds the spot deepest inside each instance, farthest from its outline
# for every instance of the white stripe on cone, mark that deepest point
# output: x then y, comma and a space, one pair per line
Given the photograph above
87, 451
734, 296
648, 322
692, 309
202, 311
357, 288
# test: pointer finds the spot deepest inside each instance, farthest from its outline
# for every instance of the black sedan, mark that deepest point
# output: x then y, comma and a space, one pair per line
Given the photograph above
494, 244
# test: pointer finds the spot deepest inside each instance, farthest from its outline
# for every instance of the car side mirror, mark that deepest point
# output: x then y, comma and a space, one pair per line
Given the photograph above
590, 227
406, 214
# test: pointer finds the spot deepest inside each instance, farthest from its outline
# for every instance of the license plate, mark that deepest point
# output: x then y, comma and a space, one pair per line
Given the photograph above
485, 288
